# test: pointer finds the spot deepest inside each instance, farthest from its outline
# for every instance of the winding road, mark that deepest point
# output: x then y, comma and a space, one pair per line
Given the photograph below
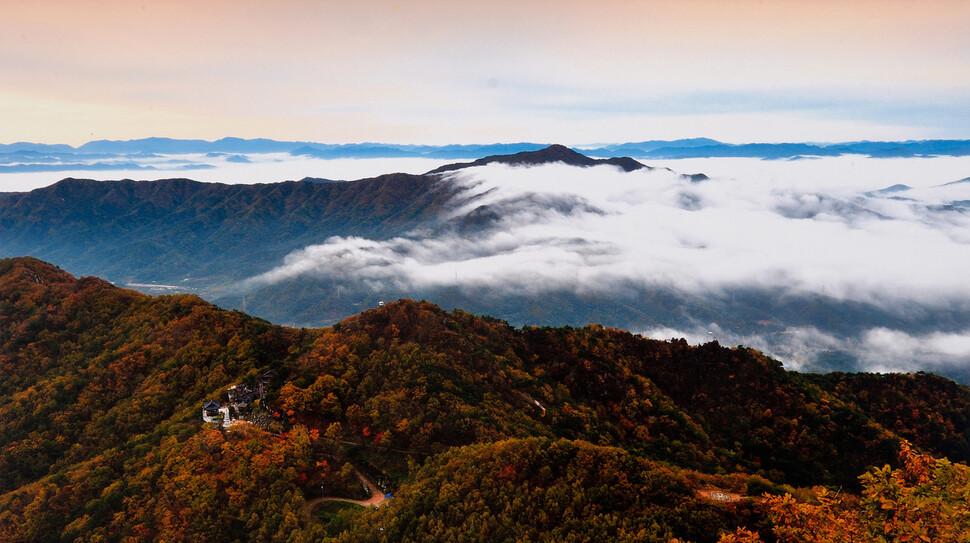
377, 498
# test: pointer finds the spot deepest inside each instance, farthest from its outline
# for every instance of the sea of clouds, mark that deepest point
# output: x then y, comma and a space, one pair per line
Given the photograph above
594, 228
815, 226
805, 227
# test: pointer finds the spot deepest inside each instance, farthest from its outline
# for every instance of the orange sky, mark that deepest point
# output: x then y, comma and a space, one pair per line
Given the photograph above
437, 72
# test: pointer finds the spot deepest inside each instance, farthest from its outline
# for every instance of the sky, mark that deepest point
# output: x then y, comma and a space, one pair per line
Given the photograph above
572, 72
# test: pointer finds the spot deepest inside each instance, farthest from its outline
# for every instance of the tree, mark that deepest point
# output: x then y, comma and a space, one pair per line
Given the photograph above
926, 499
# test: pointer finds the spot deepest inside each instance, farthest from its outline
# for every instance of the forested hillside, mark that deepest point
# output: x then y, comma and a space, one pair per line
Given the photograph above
176, 229
480, 430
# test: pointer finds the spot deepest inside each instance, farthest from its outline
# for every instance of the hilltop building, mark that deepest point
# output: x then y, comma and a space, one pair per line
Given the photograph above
211, 411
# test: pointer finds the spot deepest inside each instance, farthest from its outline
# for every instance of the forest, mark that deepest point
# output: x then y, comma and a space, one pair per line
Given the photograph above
479, 430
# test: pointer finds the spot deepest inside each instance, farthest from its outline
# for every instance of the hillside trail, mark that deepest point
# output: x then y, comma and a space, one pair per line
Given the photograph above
719, 495
377, 498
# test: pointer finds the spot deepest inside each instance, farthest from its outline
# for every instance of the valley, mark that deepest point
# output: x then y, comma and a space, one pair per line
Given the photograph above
818, 274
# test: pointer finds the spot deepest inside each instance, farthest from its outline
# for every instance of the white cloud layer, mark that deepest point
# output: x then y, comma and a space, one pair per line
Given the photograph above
819, 227
806, 227
876, 349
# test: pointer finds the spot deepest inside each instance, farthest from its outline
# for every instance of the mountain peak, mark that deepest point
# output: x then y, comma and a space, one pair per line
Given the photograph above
553, 153
20, 276
36, 270
546, 155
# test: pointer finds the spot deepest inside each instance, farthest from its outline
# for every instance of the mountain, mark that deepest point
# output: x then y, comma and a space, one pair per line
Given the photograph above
741, 315
682, 148
639, 148
754, 150
890, 190
34, 147
355, 151
296, 148
181, 146
205, 237
96, 381
963, 181
198, 235
475, 426
80, 166
176, 229
706, 148
551, 154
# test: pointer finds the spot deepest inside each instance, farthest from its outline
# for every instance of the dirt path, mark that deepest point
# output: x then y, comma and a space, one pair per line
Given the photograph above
377, 498
719, 495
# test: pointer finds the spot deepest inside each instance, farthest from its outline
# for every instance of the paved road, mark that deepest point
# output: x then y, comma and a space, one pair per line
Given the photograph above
377, 498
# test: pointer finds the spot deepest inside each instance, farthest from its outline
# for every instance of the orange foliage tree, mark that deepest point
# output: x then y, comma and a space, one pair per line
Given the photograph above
926, 499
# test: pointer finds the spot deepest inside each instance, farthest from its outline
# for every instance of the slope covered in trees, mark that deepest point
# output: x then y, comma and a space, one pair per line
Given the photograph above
542, 490
925, 499
477, 427
169, 230
86, 365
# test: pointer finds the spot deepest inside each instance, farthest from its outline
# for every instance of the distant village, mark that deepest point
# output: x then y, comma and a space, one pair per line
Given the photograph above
238, 409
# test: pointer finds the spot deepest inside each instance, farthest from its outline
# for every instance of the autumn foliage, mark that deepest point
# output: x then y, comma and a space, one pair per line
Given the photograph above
480, 429
924, 500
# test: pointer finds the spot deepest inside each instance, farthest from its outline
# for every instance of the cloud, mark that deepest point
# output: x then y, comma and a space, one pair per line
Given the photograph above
807, 348
897, 350
595, 229
796, 346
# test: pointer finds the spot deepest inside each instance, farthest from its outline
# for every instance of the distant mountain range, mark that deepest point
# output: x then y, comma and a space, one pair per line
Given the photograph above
711, 148
58, 157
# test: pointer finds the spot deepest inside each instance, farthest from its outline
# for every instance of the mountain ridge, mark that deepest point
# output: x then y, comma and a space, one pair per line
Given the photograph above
176, 228
666, 149
101, 437
550, 154
79, 222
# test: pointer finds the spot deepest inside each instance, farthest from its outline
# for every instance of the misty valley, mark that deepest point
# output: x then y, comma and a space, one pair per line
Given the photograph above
828, 263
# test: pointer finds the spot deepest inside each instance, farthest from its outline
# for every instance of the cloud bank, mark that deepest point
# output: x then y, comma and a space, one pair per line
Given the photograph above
876, 349
591, 229
808, 229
